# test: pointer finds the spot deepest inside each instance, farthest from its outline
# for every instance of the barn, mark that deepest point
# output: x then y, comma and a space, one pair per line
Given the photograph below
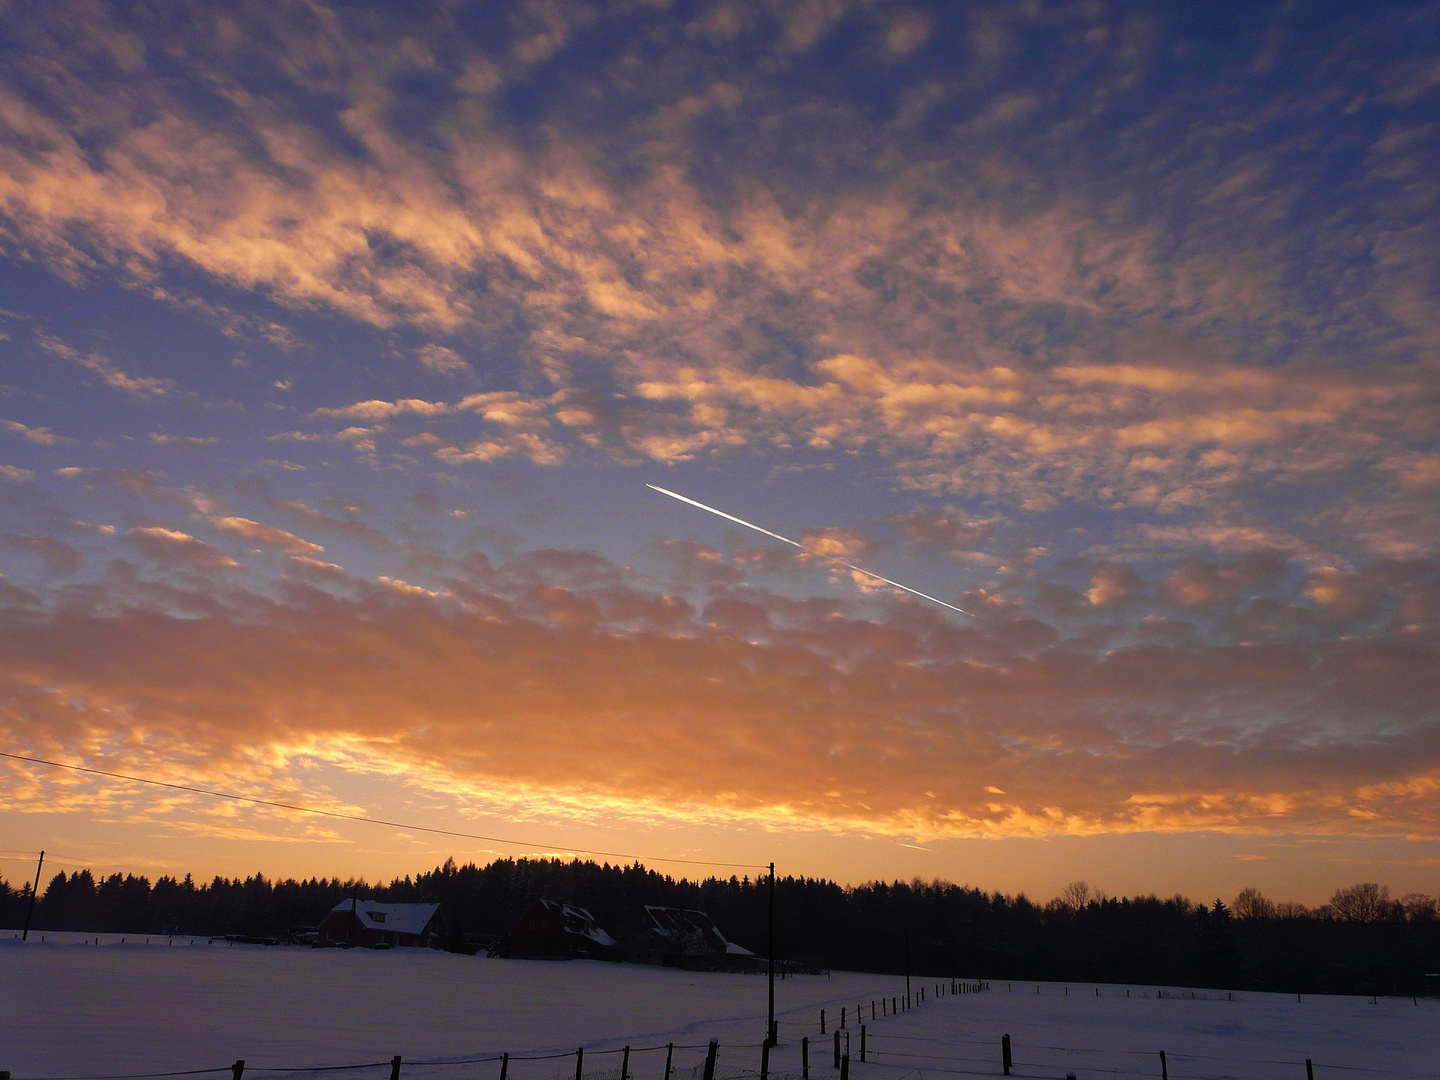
370, 924
555, 930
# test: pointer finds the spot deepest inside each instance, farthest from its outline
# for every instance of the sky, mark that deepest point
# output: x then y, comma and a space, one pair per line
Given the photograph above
338, 344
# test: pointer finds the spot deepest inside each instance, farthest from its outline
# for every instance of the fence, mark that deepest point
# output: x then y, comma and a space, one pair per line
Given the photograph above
891, 1056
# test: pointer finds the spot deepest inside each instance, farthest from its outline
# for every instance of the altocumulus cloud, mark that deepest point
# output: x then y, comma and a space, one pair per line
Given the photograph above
1129, 318
743, 705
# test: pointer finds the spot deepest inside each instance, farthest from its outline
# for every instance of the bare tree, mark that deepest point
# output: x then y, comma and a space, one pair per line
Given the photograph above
1365, 902
1074, 896
1252, 904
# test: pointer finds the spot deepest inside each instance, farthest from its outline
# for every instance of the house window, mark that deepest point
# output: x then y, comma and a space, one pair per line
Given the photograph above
376, 916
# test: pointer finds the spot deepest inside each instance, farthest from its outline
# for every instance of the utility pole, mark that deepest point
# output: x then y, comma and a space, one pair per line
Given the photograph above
907, 965
31, 909
770, 1031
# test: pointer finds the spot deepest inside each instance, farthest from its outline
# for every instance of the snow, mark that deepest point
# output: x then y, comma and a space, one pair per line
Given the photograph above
87, 1010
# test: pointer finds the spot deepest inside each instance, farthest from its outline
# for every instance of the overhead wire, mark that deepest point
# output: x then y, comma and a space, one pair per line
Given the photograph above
365, 818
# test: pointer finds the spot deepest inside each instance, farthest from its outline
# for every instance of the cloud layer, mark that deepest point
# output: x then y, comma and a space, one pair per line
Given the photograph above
721, 698
325, 325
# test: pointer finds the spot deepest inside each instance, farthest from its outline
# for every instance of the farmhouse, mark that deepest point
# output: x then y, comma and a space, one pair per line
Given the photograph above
553, 930
678, 937
370, 924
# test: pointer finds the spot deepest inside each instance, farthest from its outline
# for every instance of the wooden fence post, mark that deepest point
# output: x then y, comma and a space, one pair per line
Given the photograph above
1164, 1067
238, 1069
804, 1058
669, 1053
845, 1067
1005, 1059
837, 1049
765, 1060
710, 1059
862, 1042
822, 1021
395, 1067
842, 1017
1309, 1070
579, 1060
625, 1065
504, 1066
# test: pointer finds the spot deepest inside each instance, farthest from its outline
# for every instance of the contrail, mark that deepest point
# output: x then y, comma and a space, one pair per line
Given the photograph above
802, 547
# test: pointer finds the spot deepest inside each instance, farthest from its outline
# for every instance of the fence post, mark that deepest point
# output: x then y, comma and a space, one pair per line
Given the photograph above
710, 1059
395, 1067
238, 1069
842, 1017
845, 1067
765, 1060
504, 1066
1005, 1059
804, 1059
669, 1053
1164, 1067
872, 1008
579, 1060
625, 1065
822, 1021
837, 1049
862, 1042
1309, 1070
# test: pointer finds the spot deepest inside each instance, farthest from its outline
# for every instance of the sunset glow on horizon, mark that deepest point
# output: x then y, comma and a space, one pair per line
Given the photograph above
341, 344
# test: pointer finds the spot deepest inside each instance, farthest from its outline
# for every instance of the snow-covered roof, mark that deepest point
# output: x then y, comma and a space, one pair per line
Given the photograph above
694, 931
577, 920
392, 918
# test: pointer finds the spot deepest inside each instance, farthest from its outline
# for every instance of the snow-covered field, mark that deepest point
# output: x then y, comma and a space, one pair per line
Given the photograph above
85, 1010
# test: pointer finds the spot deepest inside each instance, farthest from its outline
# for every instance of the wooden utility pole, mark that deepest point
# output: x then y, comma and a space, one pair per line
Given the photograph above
770, 1028
31, 909
907, 966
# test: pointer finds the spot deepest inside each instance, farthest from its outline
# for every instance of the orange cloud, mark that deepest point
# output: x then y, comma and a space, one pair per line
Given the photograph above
266, 534
554, 681
170, 547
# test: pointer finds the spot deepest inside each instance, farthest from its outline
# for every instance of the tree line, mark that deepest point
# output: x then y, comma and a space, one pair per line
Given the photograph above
1363, 941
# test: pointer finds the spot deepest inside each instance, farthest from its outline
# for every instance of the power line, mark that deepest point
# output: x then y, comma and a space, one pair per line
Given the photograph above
362, 817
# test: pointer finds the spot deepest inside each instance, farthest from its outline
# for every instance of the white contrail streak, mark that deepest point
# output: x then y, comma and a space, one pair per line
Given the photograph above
802, 547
